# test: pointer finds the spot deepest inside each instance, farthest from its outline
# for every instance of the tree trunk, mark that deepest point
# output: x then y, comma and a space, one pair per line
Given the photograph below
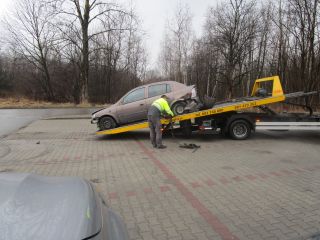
85, 65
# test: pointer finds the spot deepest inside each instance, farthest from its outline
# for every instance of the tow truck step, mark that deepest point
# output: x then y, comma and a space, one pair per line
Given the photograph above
288, 126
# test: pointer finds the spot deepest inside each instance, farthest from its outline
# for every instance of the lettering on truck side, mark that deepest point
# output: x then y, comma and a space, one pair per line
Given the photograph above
245, 105
213, 111
219, 110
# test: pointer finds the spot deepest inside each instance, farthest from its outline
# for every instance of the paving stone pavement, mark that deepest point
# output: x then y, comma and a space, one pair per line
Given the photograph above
267, 187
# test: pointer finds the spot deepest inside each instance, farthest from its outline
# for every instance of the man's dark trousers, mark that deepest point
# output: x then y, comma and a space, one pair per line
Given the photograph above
154, 116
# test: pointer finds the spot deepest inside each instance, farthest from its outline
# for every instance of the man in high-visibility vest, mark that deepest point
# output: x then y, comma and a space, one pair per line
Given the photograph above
158, 108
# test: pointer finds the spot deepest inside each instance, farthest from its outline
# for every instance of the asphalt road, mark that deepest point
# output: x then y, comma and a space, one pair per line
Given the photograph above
13, 119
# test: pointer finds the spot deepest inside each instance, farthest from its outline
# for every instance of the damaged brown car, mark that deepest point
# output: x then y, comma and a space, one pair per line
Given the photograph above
133, 106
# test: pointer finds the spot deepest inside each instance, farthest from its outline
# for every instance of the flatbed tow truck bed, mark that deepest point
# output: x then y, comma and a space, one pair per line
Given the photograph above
228, 112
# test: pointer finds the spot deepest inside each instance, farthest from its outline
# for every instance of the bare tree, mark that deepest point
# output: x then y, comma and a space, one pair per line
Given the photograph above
30, 36
232, 29
119, 51
57, 42
304, 29
80, 23
177, 44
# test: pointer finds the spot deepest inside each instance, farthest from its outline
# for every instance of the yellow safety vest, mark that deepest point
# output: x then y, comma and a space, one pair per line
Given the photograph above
163, 106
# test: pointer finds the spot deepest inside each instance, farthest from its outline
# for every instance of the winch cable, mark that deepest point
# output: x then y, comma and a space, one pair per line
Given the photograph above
170, 127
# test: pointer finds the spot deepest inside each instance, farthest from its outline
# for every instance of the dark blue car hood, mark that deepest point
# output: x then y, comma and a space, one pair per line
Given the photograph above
48, 208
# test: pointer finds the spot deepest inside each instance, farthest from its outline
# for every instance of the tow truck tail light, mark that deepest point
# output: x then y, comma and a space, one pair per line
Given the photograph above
193, 92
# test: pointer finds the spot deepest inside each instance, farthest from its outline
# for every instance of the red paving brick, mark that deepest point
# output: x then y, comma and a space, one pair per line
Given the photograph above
275, 174
251, 177
224, 180
209, 182
195, 184
130, 194
286, 172
237, 179
263, 175
147, 190
113, 195
164, 188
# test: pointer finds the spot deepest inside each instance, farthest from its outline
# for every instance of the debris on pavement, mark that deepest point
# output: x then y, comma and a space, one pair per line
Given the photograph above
190, 146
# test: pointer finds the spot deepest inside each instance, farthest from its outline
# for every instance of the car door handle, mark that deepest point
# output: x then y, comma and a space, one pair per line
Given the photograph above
141, 104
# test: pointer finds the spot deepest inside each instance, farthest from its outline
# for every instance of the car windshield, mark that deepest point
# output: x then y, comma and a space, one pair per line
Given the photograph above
134, 96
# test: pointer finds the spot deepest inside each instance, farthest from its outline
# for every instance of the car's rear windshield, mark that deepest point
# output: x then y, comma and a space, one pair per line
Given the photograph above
159, 89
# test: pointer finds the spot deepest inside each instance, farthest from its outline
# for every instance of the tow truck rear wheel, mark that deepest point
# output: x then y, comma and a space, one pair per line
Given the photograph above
239, 130
106, 123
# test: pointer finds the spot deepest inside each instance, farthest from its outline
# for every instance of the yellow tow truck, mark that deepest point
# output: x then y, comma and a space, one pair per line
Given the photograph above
230, 118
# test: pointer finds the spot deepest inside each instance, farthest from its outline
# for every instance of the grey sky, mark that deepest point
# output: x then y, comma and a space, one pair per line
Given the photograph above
154, 14
4, 6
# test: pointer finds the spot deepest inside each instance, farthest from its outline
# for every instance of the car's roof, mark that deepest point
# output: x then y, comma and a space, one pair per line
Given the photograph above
157, 83
163, 82
37, 207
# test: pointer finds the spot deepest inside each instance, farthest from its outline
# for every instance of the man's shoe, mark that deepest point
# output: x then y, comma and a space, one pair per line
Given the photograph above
154, 146
161, 146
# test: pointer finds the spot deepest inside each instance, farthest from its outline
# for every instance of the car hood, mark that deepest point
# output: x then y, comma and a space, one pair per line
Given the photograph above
110, 110
97, 111
36, 207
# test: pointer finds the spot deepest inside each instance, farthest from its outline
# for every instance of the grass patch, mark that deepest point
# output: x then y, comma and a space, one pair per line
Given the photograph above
10, 102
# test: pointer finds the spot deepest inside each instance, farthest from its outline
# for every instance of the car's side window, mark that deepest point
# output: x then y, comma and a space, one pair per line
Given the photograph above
168, 88
134, 96
159, 89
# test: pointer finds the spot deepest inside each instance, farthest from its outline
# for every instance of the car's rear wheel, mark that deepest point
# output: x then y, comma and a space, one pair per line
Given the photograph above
178, 108
106, 123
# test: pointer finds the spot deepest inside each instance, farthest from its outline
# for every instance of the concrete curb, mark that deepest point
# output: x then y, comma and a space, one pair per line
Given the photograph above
68, 117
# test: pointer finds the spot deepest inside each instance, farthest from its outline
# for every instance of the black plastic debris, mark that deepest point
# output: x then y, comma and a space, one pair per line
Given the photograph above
190, 146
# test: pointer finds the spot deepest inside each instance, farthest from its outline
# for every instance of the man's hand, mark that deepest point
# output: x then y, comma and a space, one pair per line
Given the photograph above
167, 116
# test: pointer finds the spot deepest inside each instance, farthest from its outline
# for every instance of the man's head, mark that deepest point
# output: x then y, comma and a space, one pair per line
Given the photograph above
165, 97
